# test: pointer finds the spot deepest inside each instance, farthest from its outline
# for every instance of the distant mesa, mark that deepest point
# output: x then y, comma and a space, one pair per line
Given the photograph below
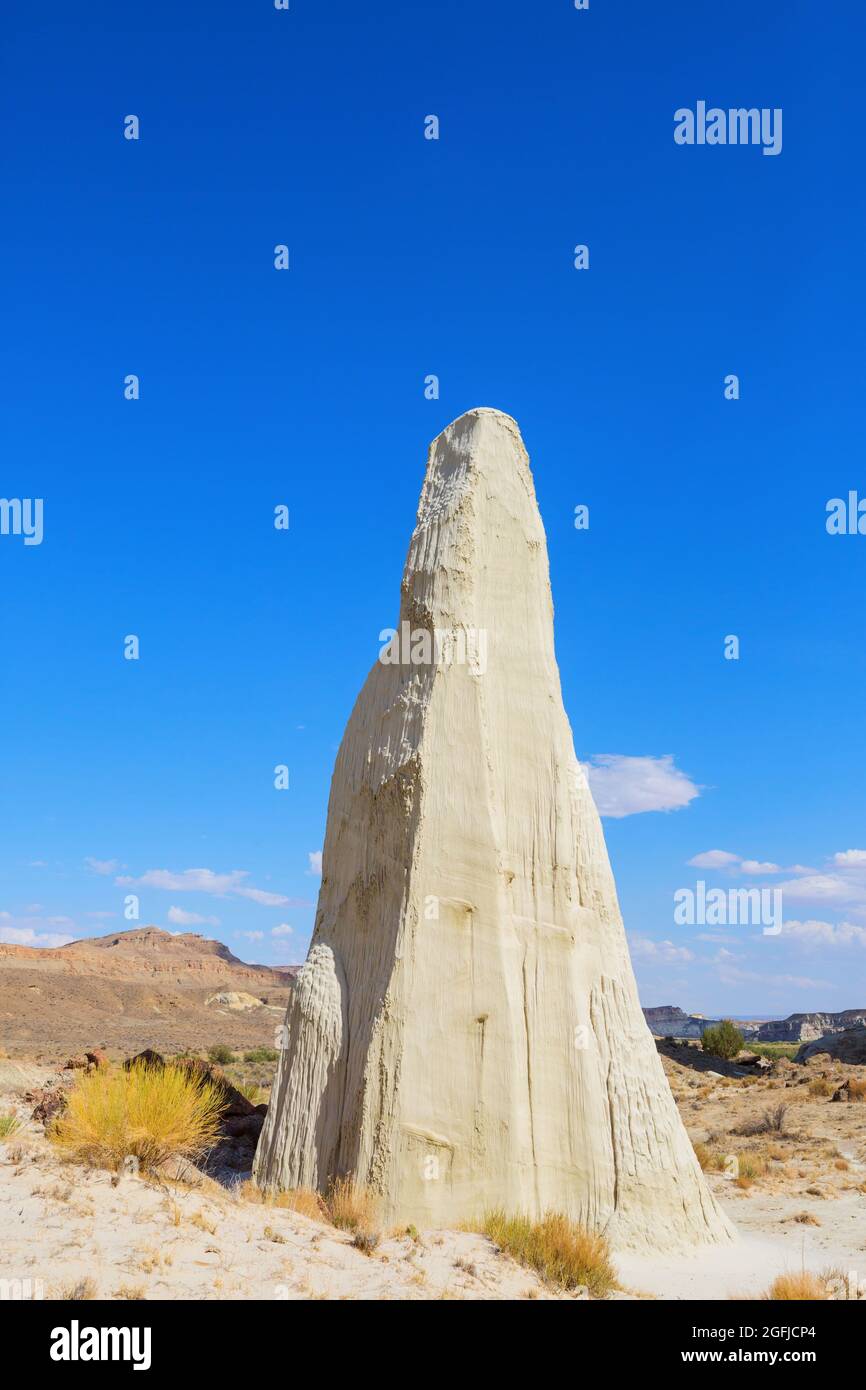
670, 1021
135, 989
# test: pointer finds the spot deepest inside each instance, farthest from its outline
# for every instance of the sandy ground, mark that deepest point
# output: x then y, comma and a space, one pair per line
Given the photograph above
81, 1236
85, 1233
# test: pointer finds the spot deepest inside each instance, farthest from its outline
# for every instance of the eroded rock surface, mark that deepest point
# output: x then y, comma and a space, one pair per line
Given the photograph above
466, 1031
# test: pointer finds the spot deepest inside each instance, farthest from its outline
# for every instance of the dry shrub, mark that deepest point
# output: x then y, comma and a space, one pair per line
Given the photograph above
806, 1218
149, 1113
254, 1093
749, 1167
798, 1287
702, 1154
856, 1089
561, 1252
771, 1122
820, 1087
350, 1207
299, 1199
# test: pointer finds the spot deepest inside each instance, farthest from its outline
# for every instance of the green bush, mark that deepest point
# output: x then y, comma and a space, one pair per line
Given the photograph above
724, 1040
221, 1054
262, 1054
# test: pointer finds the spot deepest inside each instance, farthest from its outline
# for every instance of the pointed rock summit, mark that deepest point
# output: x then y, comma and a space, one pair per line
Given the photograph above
466, 1032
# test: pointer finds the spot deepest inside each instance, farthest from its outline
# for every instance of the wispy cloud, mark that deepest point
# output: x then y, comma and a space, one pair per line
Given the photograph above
714, 859
103, 866
644, 948
315, 858
219, 885
282, 930
813, 934
179, 918
625, 786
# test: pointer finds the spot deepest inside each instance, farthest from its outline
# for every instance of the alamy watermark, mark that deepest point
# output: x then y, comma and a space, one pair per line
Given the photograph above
729, 907
424, 646
737, 126
22, 516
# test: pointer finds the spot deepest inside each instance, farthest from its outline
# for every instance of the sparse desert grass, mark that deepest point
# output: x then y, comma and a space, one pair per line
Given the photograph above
703, 1154
262, 1054
254, 1093
151, 1114
771, 1122
300, 1199
149, 1258
350, 1207
9, 1125
820, 1087
561, 1252
204, 1223
366, 1241
80, 1291
806, 1218
749, 1167
856, 1089
798, 1287
131, 1291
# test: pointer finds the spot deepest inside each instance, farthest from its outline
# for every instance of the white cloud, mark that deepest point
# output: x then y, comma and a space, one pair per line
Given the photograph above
824, 888
851, 858
253, 935
714, 859
813, 933
755, 866
258, 895
282, 930
27, 936
103, 866
179, 918
205, 881
644, 948
624, 786
315, 858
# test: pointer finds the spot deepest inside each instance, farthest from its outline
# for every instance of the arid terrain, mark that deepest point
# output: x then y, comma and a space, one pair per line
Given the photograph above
132, 990
795, 1188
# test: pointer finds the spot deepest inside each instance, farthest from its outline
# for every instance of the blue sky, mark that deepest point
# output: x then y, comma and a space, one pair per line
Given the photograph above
306, 387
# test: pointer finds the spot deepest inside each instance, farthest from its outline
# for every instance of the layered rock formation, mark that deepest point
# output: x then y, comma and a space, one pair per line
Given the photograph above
805, 1027
466, 1030
134, 989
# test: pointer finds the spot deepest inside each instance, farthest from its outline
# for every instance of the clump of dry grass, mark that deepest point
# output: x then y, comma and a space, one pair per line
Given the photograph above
254, 1093
560, 1251
9, 1125
856, 1089
702, 1154
806, 1218
820, 1087
134, 1292
801, 1287
366, 1241
749, 1167
147, 1113
771, 1122
350, 1207
81, 1290
299, 1199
